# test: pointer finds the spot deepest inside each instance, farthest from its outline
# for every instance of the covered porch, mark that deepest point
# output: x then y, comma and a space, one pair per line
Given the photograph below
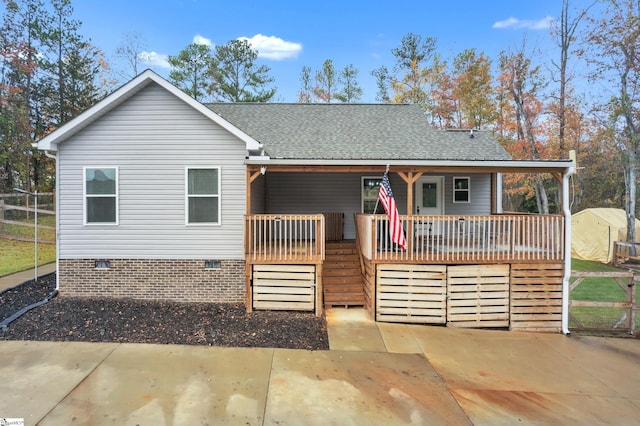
468, 270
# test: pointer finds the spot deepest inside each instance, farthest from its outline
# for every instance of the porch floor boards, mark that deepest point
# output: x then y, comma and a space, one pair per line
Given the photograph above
342, 279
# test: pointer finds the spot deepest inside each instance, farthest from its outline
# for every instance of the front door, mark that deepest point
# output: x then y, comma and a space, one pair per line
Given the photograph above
429, 195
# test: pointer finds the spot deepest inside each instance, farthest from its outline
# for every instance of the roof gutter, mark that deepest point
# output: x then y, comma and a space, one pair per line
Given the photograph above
563, 165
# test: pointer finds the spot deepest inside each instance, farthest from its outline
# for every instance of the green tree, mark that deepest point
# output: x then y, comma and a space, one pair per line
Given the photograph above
614, 51
236, 76
306, 92
49, 74
413, 59
190, 70
20, 41
383, 81
326, 82
351, 91
73, 78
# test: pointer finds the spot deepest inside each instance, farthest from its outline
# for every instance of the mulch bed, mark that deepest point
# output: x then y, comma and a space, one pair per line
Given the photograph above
138, 321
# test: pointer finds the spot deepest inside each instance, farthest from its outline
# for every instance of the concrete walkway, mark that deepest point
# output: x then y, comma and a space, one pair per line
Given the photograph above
13, 280
374, 374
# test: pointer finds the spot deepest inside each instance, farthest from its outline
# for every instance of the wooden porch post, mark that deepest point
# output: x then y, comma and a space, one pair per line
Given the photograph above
410, 178
251, 176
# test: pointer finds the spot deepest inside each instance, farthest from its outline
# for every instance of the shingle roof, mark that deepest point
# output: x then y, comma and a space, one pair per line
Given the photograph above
355, 131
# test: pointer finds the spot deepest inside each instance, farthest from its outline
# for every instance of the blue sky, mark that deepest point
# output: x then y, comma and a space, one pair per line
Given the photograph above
291, 34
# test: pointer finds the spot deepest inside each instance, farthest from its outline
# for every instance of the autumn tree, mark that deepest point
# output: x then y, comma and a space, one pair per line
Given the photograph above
473, 88
236, 77
444, 105
614, 39
521, 84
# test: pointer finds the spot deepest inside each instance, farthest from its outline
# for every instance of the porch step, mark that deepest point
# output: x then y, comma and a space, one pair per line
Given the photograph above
338, 251
341, 267
342, 279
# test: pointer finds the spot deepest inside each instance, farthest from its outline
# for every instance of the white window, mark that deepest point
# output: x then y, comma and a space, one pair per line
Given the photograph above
101, 195
369, 193
203, 195
461, 190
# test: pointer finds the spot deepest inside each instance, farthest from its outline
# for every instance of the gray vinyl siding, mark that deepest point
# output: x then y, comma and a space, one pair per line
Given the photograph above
310, 193
152, 137
479, 196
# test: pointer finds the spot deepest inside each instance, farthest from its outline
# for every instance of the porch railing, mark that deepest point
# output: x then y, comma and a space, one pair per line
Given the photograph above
465, 239
284, 238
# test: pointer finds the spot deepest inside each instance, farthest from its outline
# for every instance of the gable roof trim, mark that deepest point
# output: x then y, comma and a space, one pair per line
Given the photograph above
67, 130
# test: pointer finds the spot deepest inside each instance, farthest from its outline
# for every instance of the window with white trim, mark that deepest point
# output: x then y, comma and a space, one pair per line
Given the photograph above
461, 190
369, 193
101, 195
203, 195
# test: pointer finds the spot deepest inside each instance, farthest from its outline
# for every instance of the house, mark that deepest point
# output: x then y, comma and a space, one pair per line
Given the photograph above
162, 197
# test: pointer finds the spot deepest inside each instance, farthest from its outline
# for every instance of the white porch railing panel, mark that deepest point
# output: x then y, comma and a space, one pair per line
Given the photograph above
466, 239
284, 238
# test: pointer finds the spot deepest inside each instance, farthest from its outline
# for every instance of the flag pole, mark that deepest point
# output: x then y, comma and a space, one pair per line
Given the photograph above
375, 209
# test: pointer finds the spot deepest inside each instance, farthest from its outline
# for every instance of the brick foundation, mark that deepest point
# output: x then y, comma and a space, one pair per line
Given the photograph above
154, 279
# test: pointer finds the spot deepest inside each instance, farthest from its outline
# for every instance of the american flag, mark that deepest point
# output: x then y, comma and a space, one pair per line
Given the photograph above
389, 203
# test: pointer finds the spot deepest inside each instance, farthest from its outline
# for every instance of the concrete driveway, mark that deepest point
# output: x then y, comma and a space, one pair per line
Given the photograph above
374, 374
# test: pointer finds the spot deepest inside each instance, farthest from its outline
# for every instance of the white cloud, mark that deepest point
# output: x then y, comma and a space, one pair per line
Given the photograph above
155, 59
270, 47
516, 24
198, 39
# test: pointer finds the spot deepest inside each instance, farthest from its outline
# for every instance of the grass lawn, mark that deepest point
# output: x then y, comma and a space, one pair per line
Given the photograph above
16, 256
598, 289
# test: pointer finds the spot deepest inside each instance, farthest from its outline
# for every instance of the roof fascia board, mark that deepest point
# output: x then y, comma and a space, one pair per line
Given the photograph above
524, 164
59, 135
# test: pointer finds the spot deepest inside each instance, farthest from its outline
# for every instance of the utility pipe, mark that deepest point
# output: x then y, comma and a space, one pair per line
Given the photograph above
567, 248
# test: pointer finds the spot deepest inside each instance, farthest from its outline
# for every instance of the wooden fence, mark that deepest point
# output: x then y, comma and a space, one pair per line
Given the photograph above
29, 222
605, 316
625, 253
